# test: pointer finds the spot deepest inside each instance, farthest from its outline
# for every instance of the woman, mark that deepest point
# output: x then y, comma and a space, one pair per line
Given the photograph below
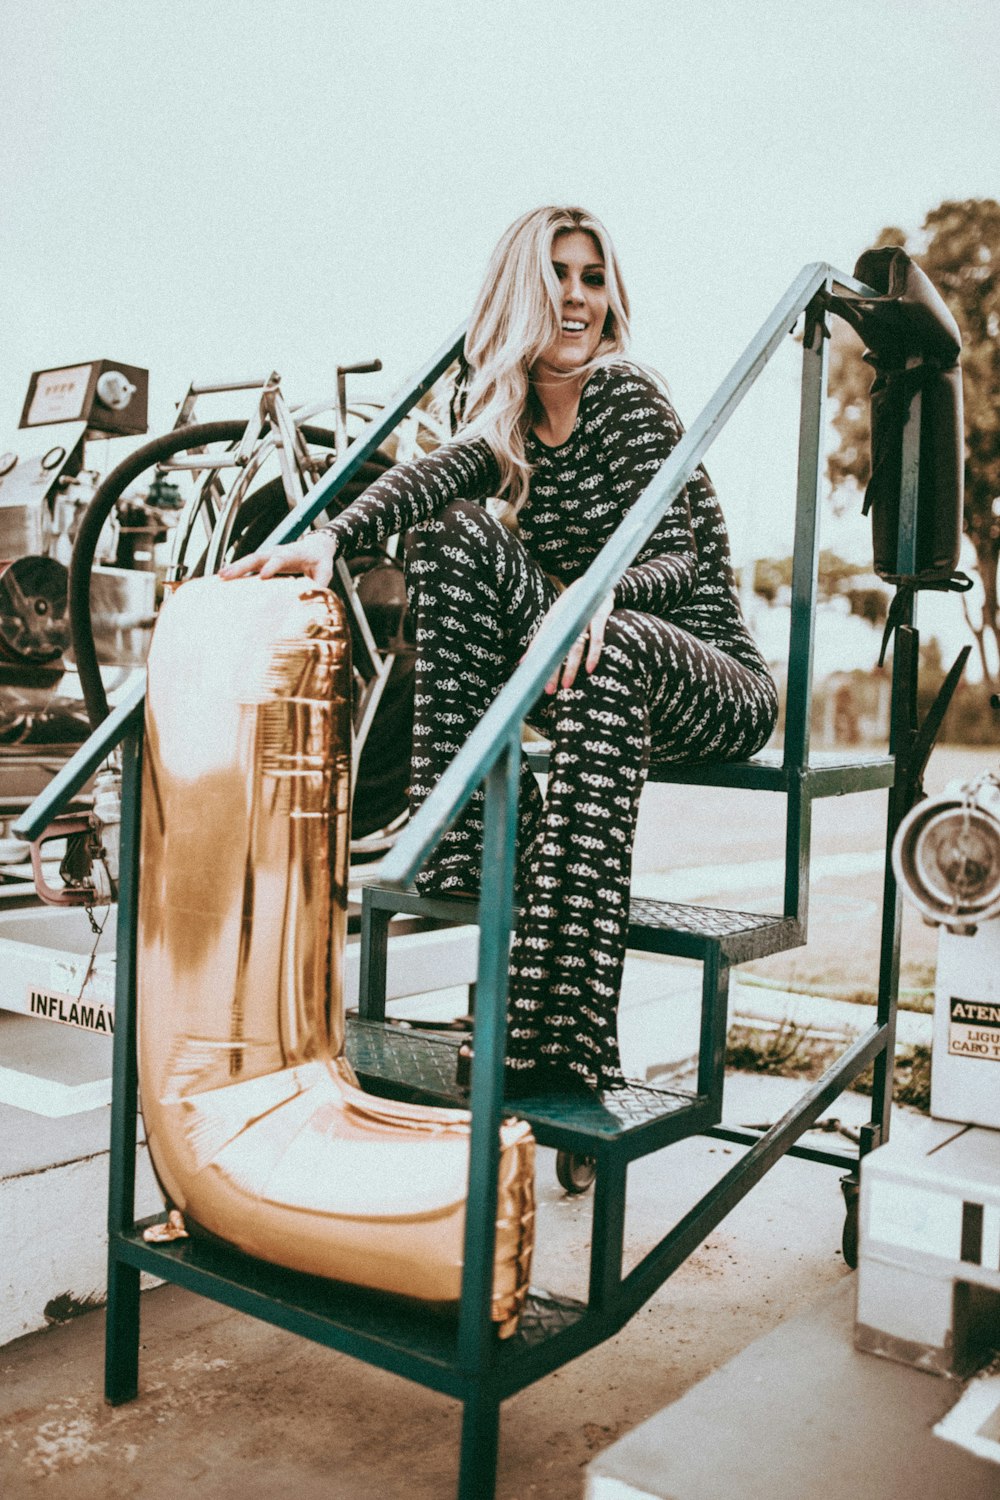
554, 422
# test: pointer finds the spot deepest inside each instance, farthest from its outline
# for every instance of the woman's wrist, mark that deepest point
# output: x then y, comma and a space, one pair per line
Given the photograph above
334, 535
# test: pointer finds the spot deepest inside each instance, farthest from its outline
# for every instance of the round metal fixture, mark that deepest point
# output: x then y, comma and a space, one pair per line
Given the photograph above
34, 626
115, 390
946, 856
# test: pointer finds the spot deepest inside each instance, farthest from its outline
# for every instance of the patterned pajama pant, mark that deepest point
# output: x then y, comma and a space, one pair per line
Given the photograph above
477, 598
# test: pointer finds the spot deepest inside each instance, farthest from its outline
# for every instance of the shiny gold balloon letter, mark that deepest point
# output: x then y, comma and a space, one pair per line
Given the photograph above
257, 1129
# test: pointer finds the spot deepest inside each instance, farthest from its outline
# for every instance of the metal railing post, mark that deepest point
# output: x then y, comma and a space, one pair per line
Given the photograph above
805, 562
496, 920
121, 1347
902, 727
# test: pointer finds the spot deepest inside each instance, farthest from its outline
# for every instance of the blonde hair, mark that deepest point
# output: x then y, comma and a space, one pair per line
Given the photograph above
515, 318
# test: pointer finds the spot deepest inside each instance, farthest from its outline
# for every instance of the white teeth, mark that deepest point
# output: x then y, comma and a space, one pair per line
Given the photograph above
572, 327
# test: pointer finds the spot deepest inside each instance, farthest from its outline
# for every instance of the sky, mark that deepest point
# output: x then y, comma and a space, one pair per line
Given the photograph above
213, 191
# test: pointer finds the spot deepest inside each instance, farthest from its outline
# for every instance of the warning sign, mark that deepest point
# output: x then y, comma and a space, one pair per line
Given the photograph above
975, 1029
71, 1012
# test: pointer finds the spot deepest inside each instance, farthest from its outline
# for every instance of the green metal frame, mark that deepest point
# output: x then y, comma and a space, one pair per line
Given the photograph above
464, 1358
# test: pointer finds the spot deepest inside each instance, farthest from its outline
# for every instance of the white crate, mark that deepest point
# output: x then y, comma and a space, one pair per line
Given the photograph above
929, 1257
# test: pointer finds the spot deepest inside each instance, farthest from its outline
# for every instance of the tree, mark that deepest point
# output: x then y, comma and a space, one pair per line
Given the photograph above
959, 248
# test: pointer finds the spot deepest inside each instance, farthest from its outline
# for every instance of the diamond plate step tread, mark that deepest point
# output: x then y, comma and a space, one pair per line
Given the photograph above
542, 1317
419, 1061
421, 1066
687, 930
655, 926
422, 1331
714, 921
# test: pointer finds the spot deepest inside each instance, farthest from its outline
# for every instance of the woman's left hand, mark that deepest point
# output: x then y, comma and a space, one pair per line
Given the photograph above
592, 640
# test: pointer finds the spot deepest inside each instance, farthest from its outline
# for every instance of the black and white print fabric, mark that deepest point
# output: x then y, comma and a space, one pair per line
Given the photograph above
679, 678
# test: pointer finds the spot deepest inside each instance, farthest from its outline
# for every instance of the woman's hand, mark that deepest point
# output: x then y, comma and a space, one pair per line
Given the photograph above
592, 638
312, 554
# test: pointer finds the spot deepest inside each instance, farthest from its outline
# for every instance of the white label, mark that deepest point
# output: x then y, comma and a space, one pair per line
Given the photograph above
59, 395
71, 1011
974, 1029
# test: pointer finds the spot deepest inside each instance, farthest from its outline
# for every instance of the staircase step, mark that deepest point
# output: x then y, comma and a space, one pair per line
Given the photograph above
690, 931
628, 1122
398, 1334
829, 773
670, 927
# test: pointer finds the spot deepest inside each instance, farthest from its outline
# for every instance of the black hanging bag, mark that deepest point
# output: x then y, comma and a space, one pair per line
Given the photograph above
914, 343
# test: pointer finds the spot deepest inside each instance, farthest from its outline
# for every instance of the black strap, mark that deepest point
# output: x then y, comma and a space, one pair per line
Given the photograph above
918, 753
906, 586
459, 393
816, 319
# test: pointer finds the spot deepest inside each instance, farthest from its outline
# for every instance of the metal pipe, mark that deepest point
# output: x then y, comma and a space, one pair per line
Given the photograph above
232, 385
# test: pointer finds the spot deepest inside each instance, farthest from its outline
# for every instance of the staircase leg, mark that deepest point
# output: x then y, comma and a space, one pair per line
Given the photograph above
714, 1026
607, 1235
374, 958
477, 1475
121, 1336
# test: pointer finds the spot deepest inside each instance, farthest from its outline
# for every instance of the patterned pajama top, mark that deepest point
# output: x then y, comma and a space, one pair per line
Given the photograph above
625, 430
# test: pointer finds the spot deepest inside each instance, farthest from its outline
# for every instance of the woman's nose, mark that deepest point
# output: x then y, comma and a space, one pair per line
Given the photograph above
572, 290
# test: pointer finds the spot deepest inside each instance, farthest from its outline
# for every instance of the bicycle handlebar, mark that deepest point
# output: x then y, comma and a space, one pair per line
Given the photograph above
367, 367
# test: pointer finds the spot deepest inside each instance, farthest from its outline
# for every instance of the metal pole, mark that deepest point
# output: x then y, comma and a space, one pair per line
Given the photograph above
475, 1333
902, 729
803, 620
121, 1342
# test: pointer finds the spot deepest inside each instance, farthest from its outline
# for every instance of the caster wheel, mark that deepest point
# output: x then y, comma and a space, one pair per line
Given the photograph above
849, 1239
575, 1173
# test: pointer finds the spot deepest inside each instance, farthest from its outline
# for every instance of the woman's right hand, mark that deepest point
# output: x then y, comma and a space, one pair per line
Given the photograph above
312, 555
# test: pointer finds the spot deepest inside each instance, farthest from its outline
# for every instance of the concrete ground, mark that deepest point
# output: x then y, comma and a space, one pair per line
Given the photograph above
838, 1422
241, 1410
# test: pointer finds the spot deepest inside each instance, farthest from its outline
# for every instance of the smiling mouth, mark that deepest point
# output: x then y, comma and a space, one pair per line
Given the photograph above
571, 325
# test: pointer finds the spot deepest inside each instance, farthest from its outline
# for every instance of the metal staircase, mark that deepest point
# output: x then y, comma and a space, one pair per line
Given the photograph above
463, 1358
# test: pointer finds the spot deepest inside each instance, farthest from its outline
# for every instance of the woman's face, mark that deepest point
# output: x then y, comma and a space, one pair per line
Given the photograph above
579, 267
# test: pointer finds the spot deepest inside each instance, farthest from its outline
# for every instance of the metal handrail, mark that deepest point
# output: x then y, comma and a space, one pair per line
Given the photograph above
571, 611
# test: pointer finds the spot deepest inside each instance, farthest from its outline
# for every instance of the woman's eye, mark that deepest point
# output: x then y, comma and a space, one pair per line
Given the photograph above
595, 279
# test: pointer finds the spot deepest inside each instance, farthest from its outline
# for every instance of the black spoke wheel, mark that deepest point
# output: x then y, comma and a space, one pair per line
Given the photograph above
382, 785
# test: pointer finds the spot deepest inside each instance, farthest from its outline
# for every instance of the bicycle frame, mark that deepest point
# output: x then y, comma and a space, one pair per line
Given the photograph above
274, 430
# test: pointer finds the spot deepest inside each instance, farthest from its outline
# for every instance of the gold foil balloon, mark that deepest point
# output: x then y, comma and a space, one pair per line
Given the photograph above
256, 1126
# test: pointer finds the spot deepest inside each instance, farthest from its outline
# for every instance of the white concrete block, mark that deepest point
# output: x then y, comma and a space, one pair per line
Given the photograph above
930, 1224
904, 1313
53, 1240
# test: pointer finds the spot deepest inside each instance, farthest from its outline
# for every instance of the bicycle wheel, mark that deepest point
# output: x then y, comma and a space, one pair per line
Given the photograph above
383, 771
